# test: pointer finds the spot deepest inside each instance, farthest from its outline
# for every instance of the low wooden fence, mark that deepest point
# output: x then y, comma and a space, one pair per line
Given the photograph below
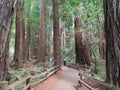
84, 76
28, 82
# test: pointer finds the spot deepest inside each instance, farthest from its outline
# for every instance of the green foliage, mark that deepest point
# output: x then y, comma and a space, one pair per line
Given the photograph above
49, 64
87, 10
74, 3
36, 70
18, 88
12, 41
11, 50
98, 77
32, 19
16, 75
69, 49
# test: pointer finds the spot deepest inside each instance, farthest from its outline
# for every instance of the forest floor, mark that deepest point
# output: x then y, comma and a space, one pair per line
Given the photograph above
66, 79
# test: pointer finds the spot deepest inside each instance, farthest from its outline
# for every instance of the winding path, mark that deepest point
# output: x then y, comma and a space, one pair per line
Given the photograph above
66, 79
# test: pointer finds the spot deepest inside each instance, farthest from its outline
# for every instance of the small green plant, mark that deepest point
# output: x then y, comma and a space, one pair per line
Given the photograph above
49, 64
98, 77
18, 88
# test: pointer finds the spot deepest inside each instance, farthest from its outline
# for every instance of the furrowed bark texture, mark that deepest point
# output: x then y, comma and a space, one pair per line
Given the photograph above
83, 56
112, 34
42, 34
18, 54
6, 17
56, 28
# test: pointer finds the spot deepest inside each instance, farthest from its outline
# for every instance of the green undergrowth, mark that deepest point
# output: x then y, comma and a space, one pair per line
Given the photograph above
100, 73
48, 64
18, 88
16, 75
38, 78
98, 77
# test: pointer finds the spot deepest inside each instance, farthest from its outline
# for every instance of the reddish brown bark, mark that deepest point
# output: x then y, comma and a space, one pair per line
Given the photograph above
56, 28
83, 56
18, 55
82, 49
48, 31
49, 48
60, 36
102, 43
27, 39
112, 34
42, 35
6, 17
23, 41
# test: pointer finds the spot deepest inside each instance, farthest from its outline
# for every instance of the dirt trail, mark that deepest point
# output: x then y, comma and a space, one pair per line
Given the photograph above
66, 79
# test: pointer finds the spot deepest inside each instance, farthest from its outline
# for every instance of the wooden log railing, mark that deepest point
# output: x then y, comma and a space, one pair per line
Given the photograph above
81, 82
28, 82
107, 85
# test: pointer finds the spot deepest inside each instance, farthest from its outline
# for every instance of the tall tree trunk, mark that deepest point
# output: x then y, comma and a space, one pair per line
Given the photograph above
27, 40
63, 37
18, 55
102, 43
42, 35
6, 17
57, 53
112, 34
48, 32
49, 48
24, 41
60, 36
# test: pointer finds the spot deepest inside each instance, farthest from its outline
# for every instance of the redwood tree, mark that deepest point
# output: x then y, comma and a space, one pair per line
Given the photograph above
112, 34
27, 30
18, 54
56, 28
42, 36
83, 56
49, 32
6, 17
102, 43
